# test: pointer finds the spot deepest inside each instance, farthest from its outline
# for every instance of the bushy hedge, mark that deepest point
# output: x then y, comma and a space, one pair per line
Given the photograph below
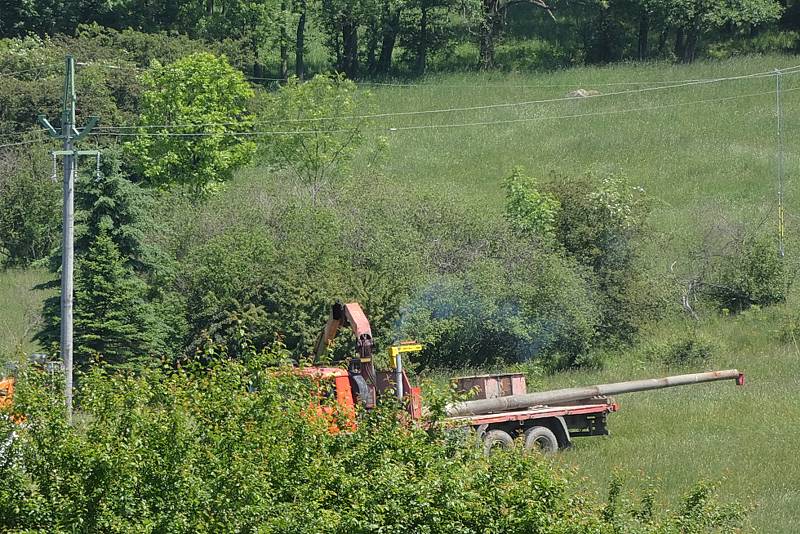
30, 205
470, 289
230, 447
750, 272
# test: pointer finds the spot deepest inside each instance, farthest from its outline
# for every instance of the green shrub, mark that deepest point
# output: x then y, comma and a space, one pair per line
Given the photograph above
768, 42
529, 211
749, 272
600, 223
230, 447
116, 310
687, 350
534, 55
30, 207
493, 314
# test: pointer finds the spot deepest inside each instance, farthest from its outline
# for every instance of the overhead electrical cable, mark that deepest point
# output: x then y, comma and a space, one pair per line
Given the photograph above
30, 141
589, 114
579, 84
787, 70
38, 68
446, 125
458, 109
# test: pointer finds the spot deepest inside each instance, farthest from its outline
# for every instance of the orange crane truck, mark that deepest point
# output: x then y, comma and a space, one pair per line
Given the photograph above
501, 411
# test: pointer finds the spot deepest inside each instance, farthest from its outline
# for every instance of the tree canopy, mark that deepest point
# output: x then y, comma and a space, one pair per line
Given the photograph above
194, 124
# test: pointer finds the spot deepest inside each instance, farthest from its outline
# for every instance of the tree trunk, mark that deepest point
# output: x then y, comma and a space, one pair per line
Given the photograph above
284, 46
258, 68
337, 46
350, 47
372, 46
422, 44
390, 25
662, 41
690, 47
644, 33
300, 42
680, 43
489, 31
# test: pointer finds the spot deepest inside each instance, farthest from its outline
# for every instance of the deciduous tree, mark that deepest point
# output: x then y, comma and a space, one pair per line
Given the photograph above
323, 129
192, 111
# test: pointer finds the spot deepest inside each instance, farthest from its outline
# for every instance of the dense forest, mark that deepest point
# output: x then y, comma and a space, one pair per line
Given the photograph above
368, 38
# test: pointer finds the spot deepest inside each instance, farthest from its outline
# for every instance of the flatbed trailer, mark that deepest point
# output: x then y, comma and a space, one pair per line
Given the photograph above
545, 427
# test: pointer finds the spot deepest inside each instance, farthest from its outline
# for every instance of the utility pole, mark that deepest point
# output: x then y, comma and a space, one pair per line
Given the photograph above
780, 156
69, 135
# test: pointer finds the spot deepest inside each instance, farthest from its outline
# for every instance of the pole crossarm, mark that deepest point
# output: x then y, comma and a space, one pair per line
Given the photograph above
75, 152
75, 134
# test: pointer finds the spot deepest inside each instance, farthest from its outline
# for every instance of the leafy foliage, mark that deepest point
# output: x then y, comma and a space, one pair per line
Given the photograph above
490, 314
528, 210
30, 205
113, 320
750, 273
231, 447
599, 224
198, 94
689, 349
114, 308
323, 134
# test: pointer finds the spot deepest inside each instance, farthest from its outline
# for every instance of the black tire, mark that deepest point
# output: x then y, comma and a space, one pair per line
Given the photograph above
496, 439
542, 439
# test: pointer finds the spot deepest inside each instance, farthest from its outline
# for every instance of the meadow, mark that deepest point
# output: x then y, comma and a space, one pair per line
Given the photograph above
705, 154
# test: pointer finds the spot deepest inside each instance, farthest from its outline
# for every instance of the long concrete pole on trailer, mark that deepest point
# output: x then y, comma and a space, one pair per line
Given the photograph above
520, 402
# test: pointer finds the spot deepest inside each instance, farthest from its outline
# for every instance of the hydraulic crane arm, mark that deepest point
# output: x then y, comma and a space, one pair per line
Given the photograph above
353, 316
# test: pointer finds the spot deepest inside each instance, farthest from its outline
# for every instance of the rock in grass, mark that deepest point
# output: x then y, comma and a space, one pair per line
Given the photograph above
582, 93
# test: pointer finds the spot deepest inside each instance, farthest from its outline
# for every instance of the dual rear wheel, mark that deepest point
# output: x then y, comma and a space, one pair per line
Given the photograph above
536, 438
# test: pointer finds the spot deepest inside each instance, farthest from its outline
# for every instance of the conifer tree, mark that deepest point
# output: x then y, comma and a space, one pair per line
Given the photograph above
113, 320
111, 269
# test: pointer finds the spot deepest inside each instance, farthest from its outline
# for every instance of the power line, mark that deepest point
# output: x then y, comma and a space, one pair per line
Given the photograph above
38, 68
12, 134
451, 125
212, 134
107, 66
469, 108
22, 143
524, 86
590, 114
788, 70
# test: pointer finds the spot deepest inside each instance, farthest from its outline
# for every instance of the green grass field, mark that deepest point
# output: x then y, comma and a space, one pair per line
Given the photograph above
704, 153
20, 308
707, 152
743, 438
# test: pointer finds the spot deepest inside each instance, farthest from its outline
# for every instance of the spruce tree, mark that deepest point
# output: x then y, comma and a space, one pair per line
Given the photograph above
112, 264
113, 320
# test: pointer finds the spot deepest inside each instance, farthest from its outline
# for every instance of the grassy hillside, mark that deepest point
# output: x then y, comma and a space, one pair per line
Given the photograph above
742, 438
704, 163
20, 308
705, 154
688, 156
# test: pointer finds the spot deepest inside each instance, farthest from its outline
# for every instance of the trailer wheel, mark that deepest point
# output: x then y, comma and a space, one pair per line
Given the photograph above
496, 439
540, 438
